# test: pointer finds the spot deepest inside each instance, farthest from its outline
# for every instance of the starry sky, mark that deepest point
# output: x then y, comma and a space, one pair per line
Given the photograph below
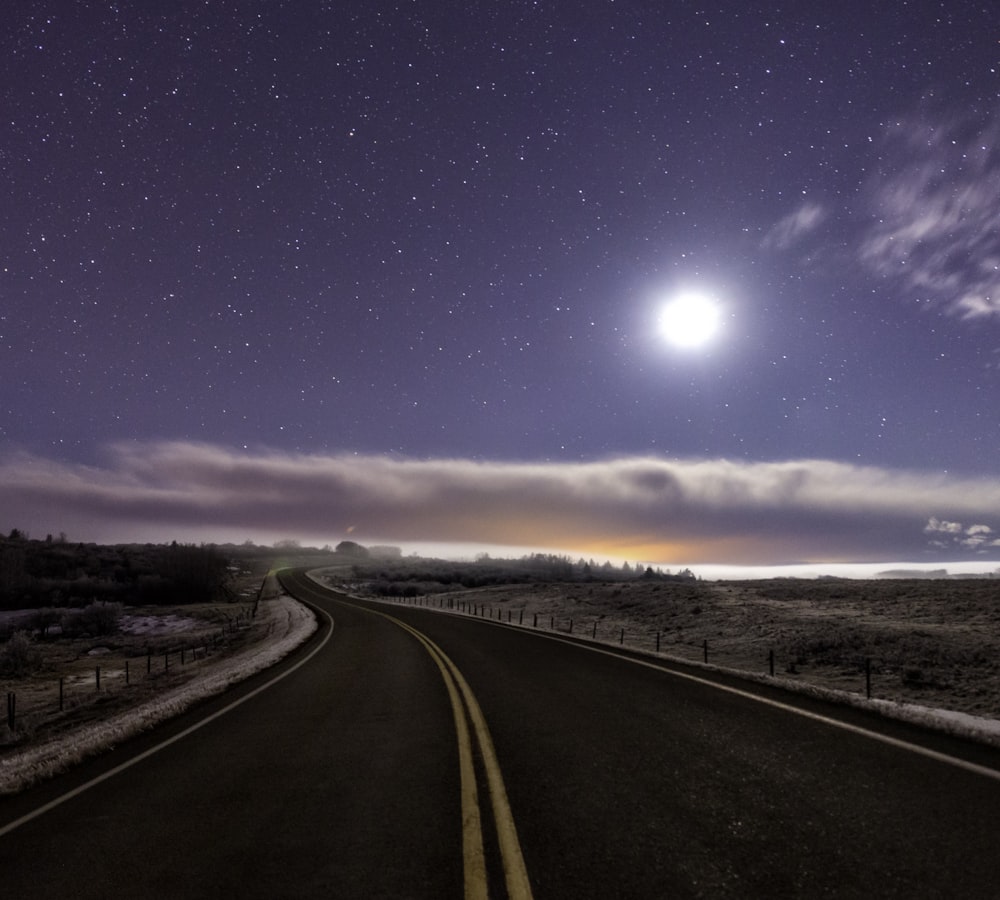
395, 270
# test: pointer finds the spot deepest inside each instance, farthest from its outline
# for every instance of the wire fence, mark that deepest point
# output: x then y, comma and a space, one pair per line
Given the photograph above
43, 701
724, 653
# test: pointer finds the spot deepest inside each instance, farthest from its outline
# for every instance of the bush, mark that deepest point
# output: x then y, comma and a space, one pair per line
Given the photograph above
18, 657
97, 619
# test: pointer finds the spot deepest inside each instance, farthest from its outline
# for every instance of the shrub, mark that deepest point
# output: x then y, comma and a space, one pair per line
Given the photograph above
96, 619
18, 657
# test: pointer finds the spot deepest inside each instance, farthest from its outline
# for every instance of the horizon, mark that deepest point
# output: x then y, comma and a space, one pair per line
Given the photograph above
474, 554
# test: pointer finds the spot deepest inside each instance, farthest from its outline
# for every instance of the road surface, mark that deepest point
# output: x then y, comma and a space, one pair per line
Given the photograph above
407, 753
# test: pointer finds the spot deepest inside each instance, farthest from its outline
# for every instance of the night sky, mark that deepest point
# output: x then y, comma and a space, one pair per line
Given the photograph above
397, 271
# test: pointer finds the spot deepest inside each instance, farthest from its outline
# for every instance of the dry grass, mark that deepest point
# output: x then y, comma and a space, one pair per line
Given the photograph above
934, 643
203, 634
152, 637
55, 742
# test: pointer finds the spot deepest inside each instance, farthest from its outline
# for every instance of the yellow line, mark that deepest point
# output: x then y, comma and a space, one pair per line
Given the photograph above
472, 831
515, 871
473, 855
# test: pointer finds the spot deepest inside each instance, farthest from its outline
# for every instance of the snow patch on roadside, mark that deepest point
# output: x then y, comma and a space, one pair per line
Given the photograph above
293, 624
169, 624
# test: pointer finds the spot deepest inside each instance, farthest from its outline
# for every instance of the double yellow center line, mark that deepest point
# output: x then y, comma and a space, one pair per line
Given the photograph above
469, 722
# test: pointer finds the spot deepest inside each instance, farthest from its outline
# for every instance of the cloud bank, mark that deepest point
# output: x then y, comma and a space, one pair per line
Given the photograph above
641, 508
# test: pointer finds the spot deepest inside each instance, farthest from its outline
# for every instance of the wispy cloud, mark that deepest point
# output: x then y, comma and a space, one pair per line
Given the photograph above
642, 508
934, 212
795, 226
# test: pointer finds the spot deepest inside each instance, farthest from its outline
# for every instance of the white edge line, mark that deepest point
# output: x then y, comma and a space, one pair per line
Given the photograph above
785, 707
663, 667
69, 795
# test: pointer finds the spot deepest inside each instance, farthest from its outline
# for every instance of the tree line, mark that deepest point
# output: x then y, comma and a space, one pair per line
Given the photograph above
411, 576
55, 572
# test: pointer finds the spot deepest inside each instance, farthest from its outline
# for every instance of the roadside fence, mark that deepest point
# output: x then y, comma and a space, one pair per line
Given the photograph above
657, 642
146, 670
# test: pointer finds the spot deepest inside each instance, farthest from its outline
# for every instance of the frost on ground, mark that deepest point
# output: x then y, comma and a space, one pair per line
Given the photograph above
932, 646
156, 625
290, 624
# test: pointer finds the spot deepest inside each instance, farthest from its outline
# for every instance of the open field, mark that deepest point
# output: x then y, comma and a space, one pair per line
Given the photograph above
176, 643
935, 643
221, 643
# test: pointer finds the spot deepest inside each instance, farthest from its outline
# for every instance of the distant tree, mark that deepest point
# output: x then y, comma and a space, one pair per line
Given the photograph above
194, 574
350, 548
13, 572
46, 618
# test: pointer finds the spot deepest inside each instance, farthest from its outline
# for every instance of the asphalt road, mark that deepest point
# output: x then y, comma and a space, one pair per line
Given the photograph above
581, 773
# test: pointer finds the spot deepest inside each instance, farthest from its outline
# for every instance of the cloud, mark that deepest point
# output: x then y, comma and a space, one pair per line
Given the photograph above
795, 226
934, 213
949, 535
650, 509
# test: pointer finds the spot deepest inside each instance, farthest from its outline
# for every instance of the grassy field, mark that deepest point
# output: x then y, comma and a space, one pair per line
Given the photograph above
154, 649
930, 642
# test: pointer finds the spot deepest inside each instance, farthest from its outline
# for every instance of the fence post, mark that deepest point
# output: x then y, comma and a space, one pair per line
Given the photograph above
868, 677
570, 626
11, 709
657, 642
126, 672
535, 625
705, 649
621, 637
61, 694
520, 617
97, 677
770, 661
593, 634
149, 659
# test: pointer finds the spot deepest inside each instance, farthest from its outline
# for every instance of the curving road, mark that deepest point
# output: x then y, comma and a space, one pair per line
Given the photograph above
411, 754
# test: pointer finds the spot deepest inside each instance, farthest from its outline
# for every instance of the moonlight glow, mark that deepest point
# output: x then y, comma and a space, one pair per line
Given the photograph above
690, 320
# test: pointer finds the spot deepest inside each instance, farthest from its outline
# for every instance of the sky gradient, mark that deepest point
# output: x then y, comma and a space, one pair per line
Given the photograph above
395, 271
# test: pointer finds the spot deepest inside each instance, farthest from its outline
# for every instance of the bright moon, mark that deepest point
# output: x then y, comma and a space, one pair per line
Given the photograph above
690, 320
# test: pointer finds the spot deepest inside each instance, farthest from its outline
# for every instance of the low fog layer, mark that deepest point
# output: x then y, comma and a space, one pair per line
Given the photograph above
692, 511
